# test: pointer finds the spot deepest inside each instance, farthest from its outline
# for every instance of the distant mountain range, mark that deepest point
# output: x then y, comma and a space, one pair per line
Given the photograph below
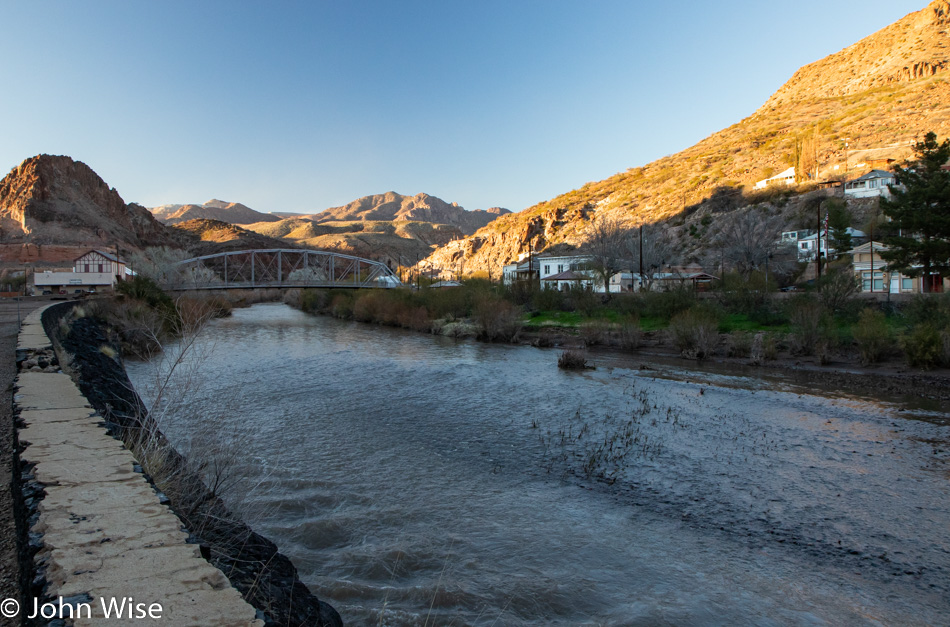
402, 229
53, 208
232, 212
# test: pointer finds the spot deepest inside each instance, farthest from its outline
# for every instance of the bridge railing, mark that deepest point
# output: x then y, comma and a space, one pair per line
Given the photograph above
251, 269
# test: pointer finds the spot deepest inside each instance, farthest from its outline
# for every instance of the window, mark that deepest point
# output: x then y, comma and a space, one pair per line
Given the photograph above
560, 268
907, 284
547, 270
100, 268
878, 281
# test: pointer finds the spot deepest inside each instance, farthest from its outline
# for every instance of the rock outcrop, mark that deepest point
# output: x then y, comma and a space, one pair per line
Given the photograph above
912, 48
56, 200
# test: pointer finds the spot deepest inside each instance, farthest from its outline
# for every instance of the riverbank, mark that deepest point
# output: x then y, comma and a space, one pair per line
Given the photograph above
844, 371
264, 577
839, 367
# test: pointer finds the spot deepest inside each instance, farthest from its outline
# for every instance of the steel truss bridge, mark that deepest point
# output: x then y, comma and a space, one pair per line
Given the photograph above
250, 269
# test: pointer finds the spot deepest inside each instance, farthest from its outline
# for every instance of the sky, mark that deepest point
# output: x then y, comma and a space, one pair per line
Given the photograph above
301, 106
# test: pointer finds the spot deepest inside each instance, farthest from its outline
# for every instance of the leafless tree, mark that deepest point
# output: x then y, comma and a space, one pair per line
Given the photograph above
605, 246
160, 264
749, 239
657, 249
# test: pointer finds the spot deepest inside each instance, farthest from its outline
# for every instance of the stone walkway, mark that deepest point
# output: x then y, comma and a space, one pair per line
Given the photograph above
105, 534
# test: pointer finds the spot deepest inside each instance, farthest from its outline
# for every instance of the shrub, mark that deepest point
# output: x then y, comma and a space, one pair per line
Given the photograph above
808, 320
497, 319
667, 304
549, 300
312, 301
769, 347
415, 318
583, 299
595, 332
342, 306
740, 344
931, 309
872, 336
838, 290
630, 333
694, 333
923, 346
572, 360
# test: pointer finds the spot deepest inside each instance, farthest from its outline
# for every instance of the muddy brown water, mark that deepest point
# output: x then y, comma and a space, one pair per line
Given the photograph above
415, 480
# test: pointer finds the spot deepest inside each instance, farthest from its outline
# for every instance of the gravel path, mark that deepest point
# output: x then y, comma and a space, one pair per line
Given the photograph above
10, 584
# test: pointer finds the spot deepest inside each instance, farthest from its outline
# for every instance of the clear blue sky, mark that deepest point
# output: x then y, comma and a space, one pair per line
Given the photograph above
300, 106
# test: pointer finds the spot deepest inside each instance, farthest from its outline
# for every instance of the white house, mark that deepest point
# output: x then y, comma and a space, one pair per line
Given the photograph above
551, 265
874, 183
792, 237
569, 279
782, 178
93, 270
808, 245
661, 281
520, 270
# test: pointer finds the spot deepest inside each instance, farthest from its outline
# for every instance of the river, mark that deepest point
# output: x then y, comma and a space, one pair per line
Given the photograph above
416, 480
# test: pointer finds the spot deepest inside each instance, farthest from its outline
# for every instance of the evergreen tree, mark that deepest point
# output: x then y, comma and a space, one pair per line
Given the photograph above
919, 243
839, 221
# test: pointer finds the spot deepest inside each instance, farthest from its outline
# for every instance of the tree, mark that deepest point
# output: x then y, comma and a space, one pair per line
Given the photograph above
604, 245
748, 239
919, 244
839, 221
657, 251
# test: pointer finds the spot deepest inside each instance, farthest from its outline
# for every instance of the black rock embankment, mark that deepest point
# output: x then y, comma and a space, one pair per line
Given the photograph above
266, 578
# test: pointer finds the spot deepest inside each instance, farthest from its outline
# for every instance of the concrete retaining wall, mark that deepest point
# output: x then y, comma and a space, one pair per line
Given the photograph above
104, 538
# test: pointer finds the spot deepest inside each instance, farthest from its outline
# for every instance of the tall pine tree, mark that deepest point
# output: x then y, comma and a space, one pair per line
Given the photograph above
919, 210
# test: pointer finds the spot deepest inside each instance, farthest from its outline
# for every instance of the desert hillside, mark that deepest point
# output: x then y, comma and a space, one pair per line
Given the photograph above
393, 207
868, 101
232, 212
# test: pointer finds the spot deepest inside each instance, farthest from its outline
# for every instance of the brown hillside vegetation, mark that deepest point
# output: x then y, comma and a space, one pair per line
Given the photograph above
878, 96
205, 237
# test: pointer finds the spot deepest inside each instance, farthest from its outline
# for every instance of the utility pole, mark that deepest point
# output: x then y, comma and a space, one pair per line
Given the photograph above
641, 252
818, 243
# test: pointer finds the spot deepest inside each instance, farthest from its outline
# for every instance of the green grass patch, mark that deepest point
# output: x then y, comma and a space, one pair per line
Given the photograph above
541, 319
742, 322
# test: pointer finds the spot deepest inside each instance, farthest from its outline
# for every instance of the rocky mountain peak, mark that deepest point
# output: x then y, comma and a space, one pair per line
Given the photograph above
55, 199
912, 48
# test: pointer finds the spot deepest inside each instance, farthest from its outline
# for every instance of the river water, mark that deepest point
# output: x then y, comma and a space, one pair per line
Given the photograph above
415, 480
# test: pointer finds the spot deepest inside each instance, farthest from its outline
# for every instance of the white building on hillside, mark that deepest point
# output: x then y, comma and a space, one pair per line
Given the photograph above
874, 183
782, 178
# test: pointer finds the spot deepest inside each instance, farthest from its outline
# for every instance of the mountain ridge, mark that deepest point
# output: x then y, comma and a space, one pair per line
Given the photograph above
884, 106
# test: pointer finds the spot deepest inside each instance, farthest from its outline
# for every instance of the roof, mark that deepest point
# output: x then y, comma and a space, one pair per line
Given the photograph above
874, 174
567, 275
853, 232
448, 283
108, 256
866, 248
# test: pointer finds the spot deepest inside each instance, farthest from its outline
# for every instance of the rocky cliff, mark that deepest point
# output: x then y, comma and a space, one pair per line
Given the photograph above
56, 200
